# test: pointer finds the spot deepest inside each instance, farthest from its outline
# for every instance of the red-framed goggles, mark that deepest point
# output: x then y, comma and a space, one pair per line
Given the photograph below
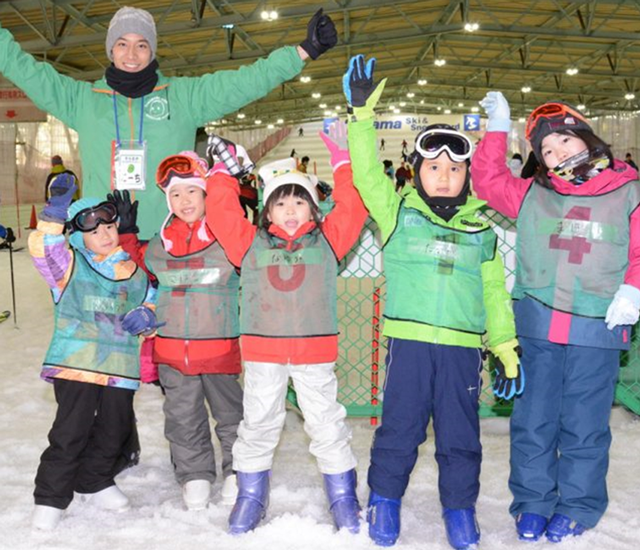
88, 219
434, 141
180, 166
550, 110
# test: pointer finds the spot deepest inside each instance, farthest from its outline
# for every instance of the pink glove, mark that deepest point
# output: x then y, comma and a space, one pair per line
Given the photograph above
148, 369
336, 143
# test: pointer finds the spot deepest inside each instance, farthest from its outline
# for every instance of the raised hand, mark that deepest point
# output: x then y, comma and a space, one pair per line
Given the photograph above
62, 189
497, 108
359, 88
336, 143
321, 35
127, 211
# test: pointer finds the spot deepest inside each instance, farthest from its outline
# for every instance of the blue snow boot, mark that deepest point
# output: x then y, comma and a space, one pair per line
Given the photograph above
383, 515
343, 501
560, 527
530, 526
461, 526
252, 502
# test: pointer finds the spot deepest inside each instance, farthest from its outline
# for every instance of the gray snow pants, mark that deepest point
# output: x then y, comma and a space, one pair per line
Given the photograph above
187, 421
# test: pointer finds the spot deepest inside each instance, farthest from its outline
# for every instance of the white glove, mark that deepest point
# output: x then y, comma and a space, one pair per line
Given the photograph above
497, 109
623, 309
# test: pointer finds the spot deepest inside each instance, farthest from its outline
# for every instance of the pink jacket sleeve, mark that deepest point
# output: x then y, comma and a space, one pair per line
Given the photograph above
632, 276
492, 179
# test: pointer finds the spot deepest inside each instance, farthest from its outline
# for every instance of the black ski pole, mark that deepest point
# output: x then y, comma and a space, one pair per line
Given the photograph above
13, 285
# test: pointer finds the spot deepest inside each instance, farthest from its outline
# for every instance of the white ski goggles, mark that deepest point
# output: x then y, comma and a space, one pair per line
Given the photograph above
434, 141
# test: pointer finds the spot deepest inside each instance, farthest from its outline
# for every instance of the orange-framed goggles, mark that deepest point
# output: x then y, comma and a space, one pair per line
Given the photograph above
181, 166
550, 110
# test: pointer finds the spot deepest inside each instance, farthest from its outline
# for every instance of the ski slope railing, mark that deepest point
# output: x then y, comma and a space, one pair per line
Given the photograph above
362, 350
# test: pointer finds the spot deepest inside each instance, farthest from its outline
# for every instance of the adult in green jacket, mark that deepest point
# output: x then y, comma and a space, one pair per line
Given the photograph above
445, 289
131, 119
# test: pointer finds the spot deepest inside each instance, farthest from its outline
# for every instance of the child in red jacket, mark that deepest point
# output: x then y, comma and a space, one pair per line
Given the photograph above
289, 324
197, 350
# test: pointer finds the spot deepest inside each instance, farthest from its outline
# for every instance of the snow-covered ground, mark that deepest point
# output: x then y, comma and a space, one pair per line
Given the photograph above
298, 517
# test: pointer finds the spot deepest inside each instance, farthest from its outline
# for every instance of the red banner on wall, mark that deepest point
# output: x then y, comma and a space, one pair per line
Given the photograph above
15, 106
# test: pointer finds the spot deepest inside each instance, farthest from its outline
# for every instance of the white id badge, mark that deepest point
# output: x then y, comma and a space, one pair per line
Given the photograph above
129, 166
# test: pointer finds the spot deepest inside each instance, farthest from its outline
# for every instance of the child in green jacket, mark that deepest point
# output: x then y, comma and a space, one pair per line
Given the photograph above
445, 290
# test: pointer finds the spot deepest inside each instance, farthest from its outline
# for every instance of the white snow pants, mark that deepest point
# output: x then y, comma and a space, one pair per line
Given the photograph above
265, 389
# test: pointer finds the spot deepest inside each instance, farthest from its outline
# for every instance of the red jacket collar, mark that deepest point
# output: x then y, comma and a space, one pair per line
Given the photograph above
184, 238
282, 234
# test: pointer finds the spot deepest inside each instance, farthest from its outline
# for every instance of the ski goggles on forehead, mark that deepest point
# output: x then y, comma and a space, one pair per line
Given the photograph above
432, 143
88, 219
179, 166
549, 110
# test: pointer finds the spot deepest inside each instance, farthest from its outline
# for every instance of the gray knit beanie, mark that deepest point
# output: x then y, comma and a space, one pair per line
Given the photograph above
132, 20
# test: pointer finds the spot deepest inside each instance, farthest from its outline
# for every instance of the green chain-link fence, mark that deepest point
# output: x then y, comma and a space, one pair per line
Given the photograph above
361, 294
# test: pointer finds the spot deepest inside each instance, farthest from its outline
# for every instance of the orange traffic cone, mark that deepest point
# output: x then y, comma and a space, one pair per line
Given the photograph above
34, 218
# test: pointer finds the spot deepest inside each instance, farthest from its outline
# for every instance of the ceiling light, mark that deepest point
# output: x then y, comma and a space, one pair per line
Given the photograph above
447, 111
305, 79
270, 15
228, 26
521, 119
316, 95
396, 111
525, 89
440, 62
571, 71
471, 27
475, 109
629, 96
258, 121
392, 107
323, 105
410, 95
403, 104
271, 126
460, 104
279, 121
241, 115
581, 107
422, 102
327, 113
422, 82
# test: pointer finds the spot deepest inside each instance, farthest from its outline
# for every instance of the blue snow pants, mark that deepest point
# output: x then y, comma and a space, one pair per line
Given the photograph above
560, 435
422, 381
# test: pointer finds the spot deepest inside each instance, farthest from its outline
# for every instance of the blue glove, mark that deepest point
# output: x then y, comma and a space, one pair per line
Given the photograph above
3, 231
497, 109
140, 320
359, 88
62, 190
357, 82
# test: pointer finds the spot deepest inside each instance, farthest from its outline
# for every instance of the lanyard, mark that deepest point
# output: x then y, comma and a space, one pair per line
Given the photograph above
115, 114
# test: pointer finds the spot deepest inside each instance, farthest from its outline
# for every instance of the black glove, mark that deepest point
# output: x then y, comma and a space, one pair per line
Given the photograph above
321, 35
10, 237
357, 82
127, 211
